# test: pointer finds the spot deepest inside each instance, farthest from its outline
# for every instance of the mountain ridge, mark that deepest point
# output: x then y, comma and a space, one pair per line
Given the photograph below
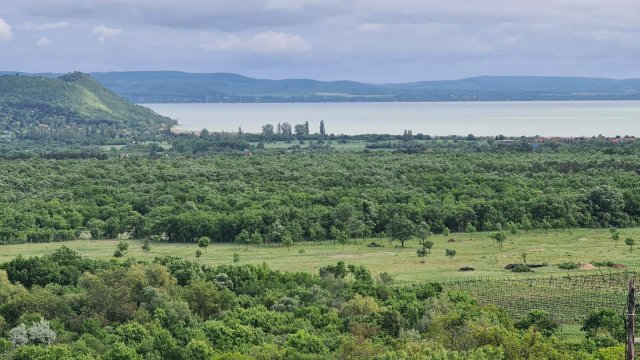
185, 87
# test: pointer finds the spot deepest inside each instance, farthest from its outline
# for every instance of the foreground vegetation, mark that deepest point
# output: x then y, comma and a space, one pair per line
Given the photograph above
64, 306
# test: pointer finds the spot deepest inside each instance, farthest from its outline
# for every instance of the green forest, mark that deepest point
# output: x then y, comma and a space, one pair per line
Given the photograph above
315, 196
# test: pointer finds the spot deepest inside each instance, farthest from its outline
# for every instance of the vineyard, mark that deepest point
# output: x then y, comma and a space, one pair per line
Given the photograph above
568, 299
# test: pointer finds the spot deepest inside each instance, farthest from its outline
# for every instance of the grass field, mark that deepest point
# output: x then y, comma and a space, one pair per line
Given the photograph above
473, 250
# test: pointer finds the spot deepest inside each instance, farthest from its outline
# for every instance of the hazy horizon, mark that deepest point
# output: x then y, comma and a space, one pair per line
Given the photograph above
372, 41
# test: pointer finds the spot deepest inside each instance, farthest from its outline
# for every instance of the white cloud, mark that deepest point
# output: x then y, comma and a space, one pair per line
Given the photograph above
269, 42
5, 31
29, 25
105, 32
371, 27
44, 42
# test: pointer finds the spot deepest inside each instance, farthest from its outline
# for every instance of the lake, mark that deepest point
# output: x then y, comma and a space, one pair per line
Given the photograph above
560, 118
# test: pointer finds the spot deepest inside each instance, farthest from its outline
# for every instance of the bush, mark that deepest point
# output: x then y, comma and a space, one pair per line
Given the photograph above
603, 263
521, 268
540, 321
568, 265
374, 244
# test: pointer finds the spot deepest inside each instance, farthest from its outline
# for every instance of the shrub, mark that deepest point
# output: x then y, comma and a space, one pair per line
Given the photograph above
374, 244
539, 320
568, 265
521, 268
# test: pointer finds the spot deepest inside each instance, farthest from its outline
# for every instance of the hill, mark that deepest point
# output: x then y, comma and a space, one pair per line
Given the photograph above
69, 107
172, 86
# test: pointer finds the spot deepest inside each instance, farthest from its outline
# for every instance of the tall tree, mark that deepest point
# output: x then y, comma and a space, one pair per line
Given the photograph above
400, 228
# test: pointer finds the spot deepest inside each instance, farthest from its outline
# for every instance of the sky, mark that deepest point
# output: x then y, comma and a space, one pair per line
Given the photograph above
375, 41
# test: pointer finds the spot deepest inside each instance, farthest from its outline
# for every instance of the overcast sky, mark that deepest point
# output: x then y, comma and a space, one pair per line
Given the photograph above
365, 40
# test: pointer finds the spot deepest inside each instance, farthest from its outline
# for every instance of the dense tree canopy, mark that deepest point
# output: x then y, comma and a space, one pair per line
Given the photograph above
306, 195
172, 308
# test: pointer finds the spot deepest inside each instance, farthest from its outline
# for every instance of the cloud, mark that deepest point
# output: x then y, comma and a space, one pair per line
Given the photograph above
269, 42
225, 15
45, 26
5, 31
371, 27
105, 32
44, 42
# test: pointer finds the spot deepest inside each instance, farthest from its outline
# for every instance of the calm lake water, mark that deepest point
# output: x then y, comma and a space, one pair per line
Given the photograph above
581, 118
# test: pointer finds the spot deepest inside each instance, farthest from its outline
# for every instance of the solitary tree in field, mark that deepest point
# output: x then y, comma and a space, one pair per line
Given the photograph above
121, 249
450, 253
400, 228
287, 241
499, 237
256, 239
203, 243
198, 254
424, 250
446, 231
629, 242
423, 231
615, 235
146, 246
422, 253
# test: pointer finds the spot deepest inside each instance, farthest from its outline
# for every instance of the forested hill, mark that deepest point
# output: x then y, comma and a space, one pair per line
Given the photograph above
70, 107
172, 86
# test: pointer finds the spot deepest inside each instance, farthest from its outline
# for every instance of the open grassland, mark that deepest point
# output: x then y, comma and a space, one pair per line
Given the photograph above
473, 250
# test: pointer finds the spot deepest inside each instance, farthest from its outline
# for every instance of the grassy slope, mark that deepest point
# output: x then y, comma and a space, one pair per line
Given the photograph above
473, 250
76, 94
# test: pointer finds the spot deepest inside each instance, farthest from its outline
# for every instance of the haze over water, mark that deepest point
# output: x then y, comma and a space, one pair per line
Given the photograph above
582, 118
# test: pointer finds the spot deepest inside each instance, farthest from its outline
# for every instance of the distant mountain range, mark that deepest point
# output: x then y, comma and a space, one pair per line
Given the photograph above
181, 87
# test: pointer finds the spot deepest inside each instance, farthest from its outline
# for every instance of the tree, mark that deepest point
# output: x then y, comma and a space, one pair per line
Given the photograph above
198, 254
400, 228
121, 249
256, 239
615, 236
342, 238
287, 240
499, 237
470, 229
424, 250
629, 242
146, 246
446, 231
450, 253
267, 132
244, 238
203, 243
546, 225
423, 231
